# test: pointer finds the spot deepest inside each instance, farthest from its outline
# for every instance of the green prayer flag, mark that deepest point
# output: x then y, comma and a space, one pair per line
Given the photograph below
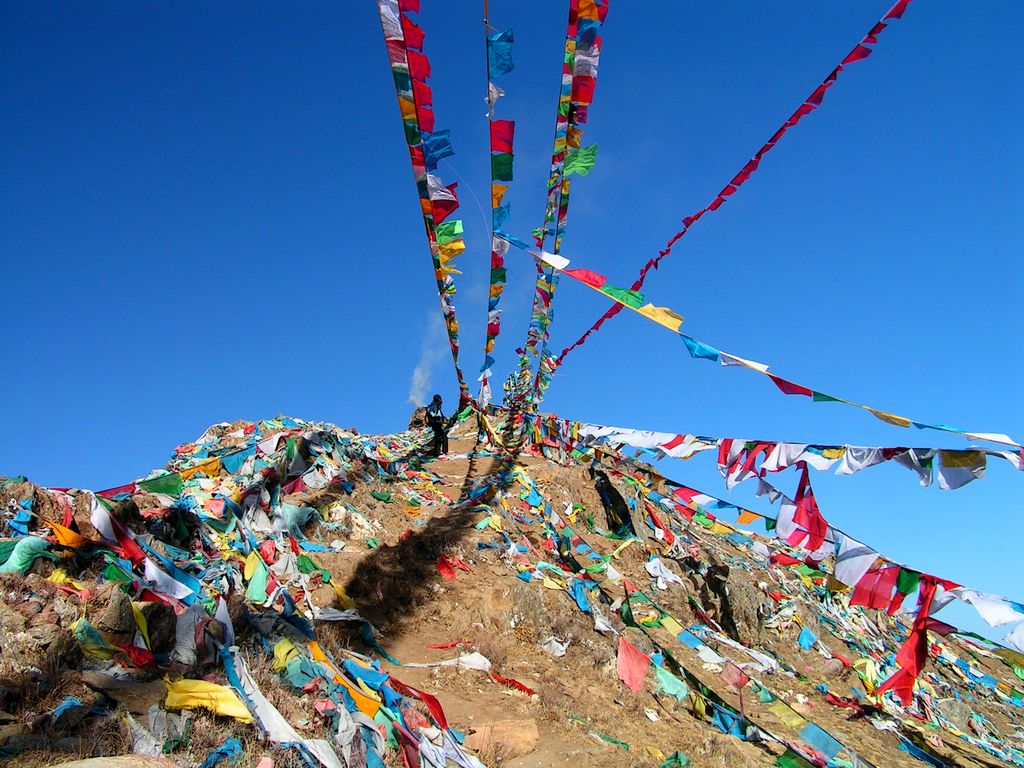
498, 275
581, 161
626, 611
671, 684
501, 166
403, 81
1019, 672
412, 134
384, 496
305, 564
907, 581
448, 231
256, 591
630, 298
676, 760
613, 740
792, 760
821, 397
113, 573
168, 485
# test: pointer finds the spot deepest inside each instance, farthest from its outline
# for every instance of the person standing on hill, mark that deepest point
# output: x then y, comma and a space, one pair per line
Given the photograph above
436, 421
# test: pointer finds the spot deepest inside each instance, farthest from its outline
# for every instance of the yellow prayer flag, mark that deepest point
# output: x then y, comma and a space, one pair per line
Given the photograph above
671, 625
662, 316
343, 597
60, 576
408, 108
747, 517
889, 418
451, 249
66, 536
553, 583
189, 694
786, 714
588, 10
252, 562
141, 623
284, 651
497, 192
209, 467
699, 705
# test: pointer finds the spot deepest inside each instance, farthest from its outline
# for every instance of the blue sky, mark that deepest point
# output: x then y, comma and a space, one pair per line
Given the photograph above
207, 213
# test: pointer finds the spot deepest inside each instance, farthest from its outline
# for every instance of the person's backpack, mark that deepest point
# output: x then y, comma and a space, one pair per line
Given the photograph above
434, 416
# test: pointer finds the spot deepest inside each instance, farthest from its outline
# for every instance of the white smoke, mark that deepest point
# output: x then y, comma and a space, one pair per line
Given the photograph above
432, 351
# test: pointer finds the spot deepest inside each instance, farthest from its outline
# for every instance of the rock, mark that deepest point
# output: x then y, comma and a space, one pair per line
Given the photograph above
135, 696
162, 625
116, 619
418, 420
507, 738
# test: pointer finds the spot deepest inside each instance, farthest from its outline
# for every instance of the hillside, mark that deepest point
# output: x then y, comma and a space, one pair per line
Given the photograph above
292, 593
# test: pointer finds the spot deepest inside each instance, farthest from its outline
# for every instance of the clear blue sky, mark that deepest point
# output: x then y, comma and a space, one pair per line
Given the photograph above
207, 213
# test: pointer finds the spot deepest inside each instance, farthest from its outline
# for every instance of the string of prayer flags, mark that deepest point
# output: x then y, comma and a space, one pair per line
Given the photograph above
581, 56
633, 299
502, 136
861, 51
410, 69
751, 458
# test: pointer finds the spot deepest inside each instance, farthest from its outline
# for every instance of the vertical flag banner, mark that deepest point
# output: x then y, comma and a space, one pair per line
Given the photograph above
427, 147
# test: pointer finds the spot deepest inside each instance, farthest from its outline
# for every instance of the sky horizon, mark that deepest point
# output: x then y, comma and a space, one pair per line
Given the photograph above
208, 213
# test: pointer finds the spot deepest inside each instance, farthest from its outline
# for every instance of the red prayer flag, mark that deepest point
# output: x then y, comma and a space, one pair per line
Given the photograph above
586, 276
734, 676
511, 683
432, 703
425, 119
857, 54
583, 89
442, 209
896, 12
444, 565
632, 665
872, 36
422, 94
914, 652
413, 34
502, 132
874, 590
819, 94
781, 558
111, 492
789, 387
409, 5
419, 66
